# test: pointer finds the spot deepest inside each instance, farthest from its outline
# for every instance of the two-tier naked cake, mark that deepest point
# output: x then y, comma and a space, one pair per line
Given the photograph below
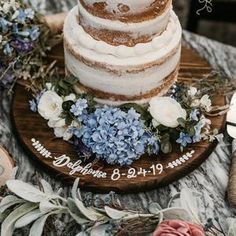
123, 50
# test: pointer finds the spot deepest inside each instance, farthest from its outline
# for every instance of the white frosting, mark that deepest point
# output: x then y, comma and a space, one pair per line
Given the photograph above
149, 27
134, 5
142, 53
124, 60
141, 82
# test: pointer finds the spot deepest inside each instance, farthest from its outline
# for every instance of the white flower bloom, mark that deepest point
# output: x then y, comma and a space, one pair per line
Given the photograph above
205, 103
166, 111
6, 7
49, 86
192, 91
50, 105
195, 103
70, 97
63, 132
56, 123
16, 14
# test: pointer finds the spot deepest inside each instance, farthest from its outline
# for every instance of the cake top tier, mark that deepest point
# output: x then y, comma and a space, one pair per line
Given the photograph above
126, 10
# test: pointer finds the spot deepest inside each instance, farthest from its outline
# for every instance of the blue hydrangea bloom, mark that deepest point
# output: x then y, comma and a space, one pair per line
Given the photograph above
29, 13
184, 139
21, 16
33, 105
194, 115
78, 108
34, 33
8, 50
198, 129
4, 25
115, 136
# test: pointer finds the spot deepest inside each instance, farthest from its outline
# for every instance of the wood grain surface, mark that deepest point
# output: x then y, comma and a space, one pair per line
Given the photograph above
30, 125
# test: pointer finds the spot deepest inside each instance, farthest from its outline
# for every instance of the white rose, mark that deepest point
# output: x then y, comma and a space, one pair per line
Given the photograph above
50, 105
166, 111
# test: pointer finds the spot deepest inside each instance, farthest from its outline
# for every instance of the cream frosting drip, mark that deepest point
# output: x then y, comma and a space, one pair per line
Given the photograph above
83, 44
150, 27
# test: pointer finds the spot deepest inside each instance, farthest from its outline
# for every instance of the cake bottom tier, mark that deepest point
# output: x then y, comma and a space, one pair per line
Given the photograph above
116, 99
115, 87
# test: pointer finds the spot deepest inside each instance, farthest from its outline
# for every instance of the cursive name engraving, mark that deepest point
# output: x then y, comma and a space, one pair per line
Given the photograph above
77, 167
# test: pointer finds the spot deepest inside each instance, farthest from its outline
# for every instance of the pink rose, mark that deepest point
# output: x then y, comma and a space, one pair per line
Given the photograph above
178, 228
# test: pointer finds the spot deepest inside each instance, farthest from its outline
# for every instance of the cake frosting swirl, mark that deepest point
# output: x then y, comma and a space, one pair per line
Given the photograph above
132, 66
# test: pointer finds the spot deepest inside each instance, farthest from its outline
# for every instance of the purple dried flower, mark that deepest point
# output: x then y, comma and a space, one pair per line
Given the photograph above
22, 47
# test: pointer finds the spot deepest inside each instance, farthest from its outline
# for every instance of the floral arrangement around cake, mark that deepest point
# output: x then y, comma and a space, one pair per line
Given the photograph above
121, 135
115, 134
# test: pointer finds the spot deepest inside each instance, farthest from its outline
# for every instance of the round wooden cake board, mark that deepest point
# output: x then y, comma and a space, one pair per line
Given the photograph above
60, 158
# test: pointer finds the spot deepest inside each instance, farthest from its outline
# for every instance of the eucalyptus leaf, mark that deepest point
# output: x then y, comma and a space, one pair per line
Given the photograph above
26, 191
28, 218
38, 225
176, 213
115, 214
9, 201
88, 212
45, 206
100, 230
47, 188
74, 189
75, 212
154, 208
8, 224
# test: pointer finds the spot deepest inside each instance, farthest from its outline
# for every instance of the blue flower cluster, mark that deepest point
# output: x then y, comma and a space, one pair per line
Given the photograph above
18, 31
185, 139
35, 101
79, 108
115, 136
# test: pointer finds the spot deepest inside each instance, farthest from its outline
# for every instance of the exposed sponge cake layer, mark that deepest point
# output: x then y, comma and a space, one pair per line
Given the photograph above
116, 32
116, 74
126, 10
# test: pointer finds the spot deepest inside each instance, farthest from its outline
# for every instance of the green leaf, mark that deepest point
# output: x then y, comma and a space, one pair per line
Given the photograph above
67, 105
191, 131
26, 191
38, 225
9, 201
115, 214
166, 146
28, 218
8, 224
182, 122
154, 208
